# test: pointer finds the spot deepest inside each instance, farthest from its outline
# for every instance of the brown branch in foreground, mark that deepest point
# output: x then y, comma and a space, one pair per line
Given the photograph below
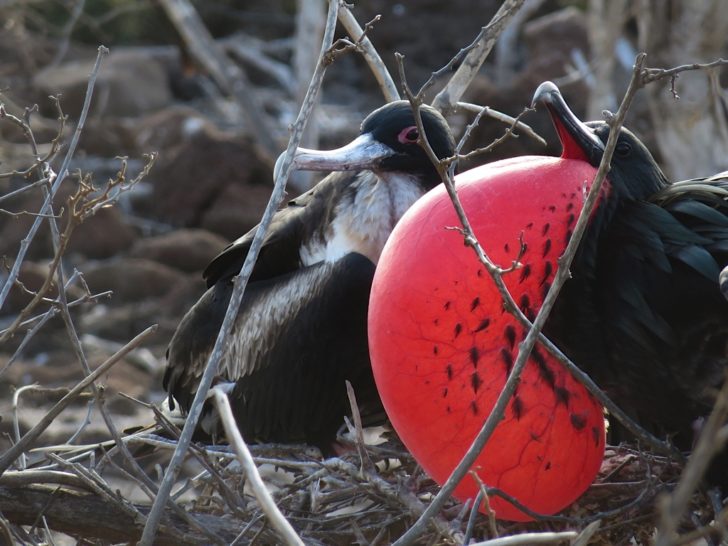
86, 514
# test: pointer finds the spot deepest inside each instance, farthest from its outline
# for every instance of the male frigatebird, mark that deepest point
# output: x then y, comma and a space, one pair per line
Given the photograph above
643, 312
301, 330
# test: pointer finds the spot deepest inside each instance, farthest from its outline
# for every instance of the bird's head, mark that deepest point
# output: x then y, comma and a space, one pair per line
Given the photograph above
388, 143
634, 174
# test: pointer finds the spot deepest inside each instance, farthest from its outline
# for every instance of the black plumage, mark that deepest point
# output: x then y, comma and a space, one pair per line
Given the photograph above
301, 330
643, 313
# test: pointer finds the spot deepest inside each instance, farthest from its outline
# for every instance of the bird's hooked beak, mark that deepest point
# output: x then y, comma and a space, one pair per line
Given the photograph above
577, 139
364, 152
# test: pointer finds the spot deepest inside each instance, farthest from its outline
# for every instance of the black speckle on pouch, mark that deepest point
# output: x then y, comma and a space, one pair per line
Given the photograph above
474, 407
483, 325
458, 328
546, 373
444, 392
525, 272
448, 371
524, 303
546, 248
435, 350
578, 421
548, 268
545, 229
507, 247
474, 304
507, 359
517, 407
547, 466
596, 435
510, 335
474, 356
447, 305
562, 396
570, 219
475, 381
545, 290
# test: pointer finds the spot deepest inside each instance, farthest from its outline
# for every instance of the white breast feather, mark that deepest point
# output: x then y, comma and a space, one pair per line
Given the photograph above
363, 224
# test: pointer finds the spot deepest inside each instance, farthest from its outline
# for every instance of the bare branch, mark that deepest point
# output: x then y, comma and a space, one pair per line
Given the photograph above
713, 438
281, 173
477, 53
371, 56
505, 118
251, 471
525, 346
25, 243
7, 458
227, 75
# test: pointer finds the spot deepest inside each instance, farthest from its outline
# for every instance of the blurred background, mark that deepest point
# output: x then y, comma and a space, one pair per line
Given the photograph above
212, 177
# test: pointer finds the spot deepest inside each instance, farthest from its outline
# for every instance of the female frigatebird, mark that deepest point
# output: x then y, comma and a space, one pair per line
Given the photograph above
301, 330
643, 312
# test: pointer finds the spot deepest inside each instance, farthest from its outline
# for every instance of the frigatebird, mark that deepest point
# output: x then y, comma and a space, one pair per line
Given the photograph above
301, 331
643, 312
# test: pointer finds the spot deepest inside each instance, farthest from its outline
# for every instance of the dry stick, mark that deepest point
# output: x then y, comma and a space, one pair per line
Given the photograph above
281, 175
25, 243
11, 454
250, 471
525, 347
504, 118
712, 439
529, 538
468, 69
227, 75
370, 54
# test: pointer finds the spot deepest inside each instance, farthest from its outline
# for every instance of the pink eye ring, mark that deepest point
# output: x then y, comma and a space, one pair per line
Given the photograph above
408, 135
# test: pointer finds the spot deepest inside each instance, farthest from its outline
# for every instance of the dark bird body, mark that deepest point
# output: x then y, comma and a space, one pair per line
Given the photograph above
643, 313
301, 330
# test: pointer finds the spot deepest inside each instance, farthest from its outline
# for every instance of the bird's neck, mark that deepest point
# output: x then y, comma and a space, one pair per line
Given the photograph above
366, 215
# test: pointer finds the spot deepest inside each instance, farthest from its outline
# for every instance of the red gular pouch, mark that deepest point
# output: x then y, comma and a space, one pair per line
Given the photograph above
442, 344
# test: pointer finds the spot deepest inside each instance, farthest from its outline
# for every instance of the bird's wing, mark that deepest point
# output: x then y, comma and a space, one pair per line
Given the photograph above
280, 251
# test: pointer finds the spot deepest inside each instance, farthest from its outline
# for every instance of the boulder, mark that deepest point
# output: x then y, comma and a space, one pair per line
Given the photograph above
188, 250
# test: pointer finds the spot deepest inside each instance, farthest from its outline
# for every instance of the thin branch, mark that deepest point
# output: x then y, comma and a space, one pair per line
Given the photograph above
281, 173
530, 538
370, 54
477, 53
653, 74
713, 437
525, 346
7, 458
504, 118
25, 243
260, 491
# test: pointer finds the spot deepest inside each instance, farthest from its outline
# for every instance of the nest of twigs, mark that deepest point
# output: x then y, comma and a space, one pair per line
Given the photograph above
367, 495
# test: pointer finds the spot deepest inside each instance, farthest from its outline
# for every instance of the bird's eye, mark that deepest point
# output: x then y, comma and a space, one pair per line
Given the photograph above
623, 149
408, 135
